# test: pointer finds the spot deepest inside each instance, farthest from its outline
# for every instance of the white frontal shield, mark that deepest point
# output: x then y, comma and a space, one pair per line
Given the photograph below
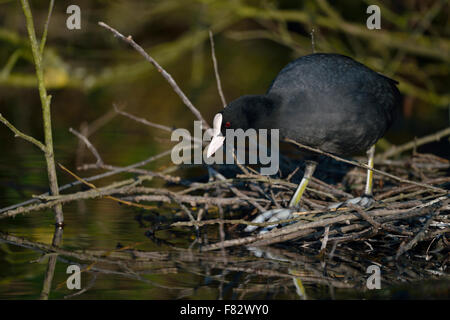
218, 138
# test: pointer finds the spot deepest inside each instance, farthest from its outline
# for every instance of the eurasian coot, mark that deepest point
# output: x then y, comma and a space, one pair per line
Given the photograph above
326, 101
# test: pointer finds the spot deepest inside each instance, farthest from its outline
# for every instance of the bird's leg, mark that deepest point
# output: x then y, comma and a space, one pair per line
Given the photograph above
369, 178
286, 213
309, 170
367, 199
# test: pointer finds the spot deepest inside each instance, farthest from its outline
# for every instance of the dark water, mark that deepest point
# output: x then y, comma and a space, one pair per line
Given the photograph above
170, 274
160, 272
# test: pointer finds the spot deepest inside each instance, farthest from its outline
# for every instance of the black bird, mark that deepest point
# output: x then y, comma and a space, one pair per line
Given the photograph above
327, 101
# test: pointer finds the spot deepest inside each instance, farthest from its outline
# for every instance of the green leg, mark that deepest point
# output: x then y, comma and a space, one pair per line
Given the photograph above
309, 171
369, 181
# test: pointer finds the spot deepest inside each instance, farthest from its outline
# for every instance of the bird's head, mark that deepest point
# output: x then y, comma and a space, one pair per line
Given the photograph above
241, 113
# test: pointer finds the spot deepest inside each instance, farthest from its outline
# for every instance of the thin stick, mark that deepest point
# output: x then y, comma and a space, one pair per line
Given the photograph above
100, 122
362, 165
216, 69
289, 177
89, 145
47, 22
404, 248
364, 215
19, 134
61, 199
185, 209
325, 238
313, 43
86, 288
163, 72
191, 200
413, 144
142, 120
237, 192
92, 178
152, 124
403, 188
107, 196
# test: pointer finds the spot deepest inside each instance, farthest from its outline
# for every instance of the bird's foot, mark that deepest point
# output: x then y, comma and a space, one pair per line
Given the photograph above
273, 215
365, 202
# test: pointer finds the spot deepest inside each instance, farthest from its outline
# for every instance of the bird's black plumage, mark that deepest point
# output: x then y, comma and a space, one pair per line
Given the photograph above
327, 101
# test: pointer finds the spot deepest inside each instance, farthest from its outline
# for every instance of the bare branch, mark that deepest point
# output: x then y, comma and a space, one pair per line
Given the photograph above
22, 135
154, 125
413, 144
93, 178
216, 69
313, 43
160, 69
362, 165
47, 22
89, 145
420, 235
142, 120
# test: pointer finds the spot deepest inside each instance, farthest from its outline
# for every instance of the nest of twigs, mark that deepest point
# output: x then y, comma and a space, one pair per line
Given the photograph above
403, 214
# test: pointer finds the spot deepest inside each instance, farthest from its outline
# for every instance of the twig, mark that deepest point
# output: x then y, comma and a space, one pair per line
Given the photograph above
152, 124
61, 199
19, 134
184, 208
216, 69
404, 248
289, 177
89, 145
413, 144
364, 215
107, 196
163, 72
319, 183
100, 122
81, 147
165, 177
404, 188
47, 22
86, 288
362, 165
313, 44
192, 200
142, 120
221, 225
13, 208
325, 238
237, 192
366, 233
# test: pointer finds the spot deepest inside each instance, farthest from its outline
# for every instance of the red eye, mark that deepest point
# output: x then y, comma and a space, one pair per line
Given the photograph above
227, 124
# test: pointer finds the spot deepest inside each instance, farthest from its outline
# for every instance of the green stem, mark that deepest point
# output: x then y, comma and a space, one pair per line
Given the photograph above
45, 102
44, 34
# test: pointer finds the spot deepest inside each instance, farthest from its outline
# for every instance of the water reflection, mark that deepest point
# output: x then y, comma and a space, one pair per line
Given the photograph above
57, 238
267, 272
